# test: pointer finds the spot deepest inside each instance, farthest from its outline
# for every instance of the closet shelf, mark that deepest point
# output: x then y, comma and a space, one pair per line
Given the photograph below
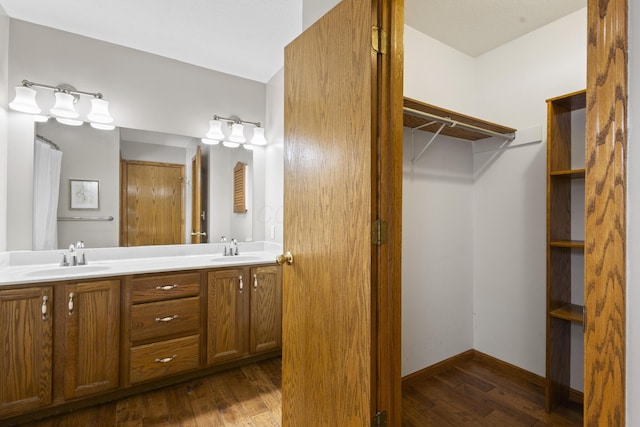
567, 244
571, 312
429, 118
572, 173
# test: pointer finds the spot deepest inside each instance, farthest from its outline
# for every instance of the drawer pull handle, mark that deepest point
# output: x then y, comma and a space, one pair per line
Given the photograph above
166, 319
255, 282
166, 287
241, 284
166, 359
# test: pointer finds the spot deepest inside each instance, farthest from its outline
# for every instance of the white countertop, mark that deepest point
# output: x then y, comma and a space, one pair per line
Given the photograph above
25, 267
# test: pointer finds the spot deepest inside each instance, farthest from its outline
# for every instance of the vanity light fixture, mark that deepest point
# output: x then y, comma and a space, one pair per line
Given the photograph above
64, 109
236, 136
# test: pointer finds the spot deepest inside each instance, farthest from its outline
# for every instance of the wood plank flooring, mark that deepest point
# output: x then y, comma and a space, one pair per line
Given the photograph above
472, 393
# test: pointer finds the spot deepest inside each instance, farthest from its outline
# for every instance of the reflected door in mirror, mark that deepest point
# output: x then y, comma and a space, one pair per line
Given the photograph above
153, 196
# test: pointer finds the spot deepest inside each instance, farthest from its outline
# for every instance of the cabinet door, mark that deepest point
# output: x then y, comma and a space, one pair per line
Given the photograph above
91, 337
266, 308
26, 359
228, 294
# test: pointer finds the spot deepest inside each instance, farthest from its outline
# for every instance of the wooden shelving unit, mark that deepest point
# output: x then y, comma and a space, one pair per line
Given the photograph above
562, 185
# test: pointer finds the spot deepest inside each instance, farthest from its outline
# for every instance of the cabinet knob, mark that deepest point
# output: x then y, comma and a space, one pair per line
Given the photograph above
285, 258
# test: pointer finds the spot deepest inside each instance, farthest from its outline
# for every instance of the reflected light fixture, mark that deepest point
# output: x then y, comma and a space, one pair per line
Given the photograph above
236, 133
64, 109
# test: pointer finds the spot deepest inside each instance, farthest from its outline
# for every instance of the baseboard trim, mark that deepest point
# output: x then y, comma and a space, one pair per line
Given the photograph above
507, 369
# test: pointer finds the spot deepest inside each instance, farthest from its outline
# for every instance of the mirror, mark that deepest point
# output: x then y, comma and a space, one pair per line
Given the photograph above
91, 155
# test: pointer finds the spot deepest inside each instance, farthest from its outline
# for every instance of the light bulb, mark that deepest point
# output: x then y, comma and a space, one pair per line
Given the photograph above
237, 133
99, 111
69, 122
25, 100
102, 126
64, 106
258, 136
215, 130
230, 144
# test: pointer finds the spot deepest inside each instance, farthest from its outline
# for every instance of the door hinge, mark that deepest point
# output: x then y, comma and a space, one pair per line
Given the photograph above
379, 419
379, 40
379, 233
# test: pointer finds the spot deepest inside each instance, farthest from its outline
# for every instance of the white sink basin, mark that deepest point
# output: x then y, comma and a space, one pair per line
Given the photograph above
67, 271
237, 259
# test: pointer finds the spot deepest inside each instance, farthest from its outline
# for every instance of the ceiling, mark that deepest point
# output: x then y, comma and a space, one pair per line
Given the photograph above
246, 37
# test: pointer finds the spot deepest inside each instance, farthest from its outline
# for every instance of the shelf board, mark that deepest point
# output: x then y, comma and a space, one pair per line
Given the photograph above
572, 101
412, 121
570, 173
567, 244
570, 312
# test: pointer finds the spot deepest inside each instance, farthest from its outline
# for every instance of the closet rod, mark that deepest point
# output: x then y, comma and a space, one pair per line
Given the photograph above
453, 123
85, 218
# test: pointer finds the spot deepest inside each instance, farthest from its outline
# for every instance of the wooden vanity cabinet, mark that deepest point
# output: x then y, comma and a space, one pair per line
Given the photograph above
164, 326
26, 362
228, 314
89, 313
244, 312
266, 308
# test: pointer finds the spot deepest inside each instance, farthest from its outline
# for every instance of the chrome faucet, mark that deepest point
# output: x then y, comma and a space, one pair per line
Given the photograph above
83, 259
73, 257
234, 247
224, 248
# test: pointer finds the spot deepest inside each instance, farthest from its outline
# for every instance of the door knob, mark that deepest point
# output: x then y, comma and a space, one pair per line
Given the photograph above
285, 258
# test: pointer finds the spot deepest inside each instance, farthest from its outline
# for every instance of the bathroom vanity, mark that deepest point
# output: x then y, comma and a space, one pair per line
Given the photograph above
75, 336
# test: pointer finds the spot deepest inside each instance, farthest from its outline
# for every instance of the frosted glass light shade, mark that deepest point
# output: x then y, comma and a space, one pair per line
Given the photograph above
215, 131
237, 133
210, 141
69, 122
102, 126
25, 100
258, 137
248, 147
230, 144
99, 111
64, 106
40, 118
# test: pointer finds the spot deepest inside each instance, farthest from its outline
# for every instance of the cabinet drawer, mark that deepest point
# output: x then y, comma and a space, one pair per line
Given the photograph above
164, 287
163, 318
164, 358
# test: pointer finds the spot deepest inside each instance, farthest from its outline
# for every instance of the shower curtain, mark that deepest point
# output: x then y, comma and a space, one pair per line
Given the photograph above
46, 188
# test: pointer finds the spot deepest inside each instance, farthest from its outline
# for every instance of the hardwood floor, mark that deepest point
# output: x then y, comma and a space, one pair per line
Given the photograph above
473, 392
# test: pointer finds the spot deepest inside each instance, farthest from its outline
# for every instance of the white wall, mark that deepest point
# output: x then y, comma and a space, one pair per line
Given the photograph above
4, 77
274, 178
437, 280
499, 263
633, 229
510, 196
145, 92
314, 10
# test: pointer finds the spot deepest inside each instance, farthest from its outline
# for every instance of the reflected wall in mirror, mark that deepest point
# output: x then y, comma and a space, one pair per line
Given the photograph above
129, 165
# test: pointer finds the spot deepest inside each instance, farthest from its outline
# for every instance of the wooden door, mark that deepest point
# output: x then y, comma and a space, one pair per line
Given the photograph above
228, 305
196, 199
154, 211
266, 309
343, 106
90, 313
606, 195
26, 358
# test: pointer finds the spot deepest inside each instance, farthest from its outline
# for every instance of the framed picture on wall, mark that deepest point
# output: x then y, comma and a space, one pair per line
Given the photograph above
84, 194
